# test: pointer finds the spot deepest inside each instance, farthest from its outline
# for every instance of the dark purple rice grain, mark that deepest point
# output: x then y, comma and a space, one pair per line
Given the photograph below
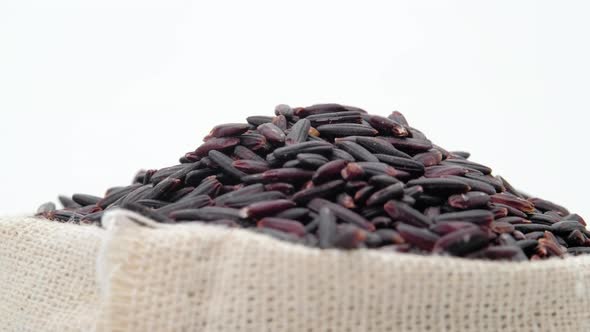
440, 171
461, 154
272, 133
293, 164
162, 188
535, 235
207, 213
386, 126
311, 160
319, 109
474, 184
217, 144
299, 132
195, 202
341, 213
565, 227
285, 188
462, 241
356, 151
283, 225
68, 203
329, 171
242, 192
498, 186
326, 228
254, 141
321, 190
46, 207
178, 194
575, 217
209, 186
346, 129
409, 145
296, 213
331, 118
446, 227
514, 202
381, 181
281, 122
84, 199
419, 237
507, 253
194, 178
135, 195
514, 220
442, 186
394, 191
244, 200
290, 151
266, 208
242, 152
469, 164
225, 163
430, 158
545, 205
477, 217
502, 227
339, 154
165, 172
284, 110
540, 218
228, 129
404, 213
403, 164
378, 145
398, 117
151, 203
250, 166
499, 212
470, 200
257, 120
511, 211
349, 237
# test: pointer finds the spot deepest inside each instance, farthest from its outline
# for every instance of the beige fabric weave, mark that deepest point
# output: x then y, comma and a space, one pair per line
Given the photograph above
195, 277
204, 278
47, 275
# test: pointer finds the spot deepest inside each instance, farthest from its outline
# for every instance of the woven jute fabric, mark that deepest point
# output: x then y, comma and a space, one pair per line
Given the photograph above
195, 277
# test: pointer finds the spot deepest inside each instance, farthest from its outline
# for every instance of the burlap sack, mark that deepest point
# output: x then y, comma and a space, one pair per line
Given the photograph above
193, 277
48, 276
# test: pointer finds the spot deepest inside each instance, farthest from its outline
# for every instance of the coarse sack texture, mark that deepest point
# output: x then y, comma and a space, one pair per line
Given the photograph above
138, 275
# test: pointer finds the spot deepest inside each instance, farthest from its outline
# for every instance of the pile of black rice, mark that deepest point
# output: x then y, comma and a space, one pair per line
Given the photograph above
334, 176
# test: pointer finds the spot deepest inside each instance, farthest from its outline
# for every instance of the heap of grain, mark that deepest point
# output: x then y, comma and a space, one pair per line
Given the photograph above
333, 176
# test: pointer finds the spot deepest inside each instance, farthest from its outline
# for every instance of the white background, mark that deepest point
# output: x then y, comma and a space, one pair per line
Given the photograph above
91, 91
